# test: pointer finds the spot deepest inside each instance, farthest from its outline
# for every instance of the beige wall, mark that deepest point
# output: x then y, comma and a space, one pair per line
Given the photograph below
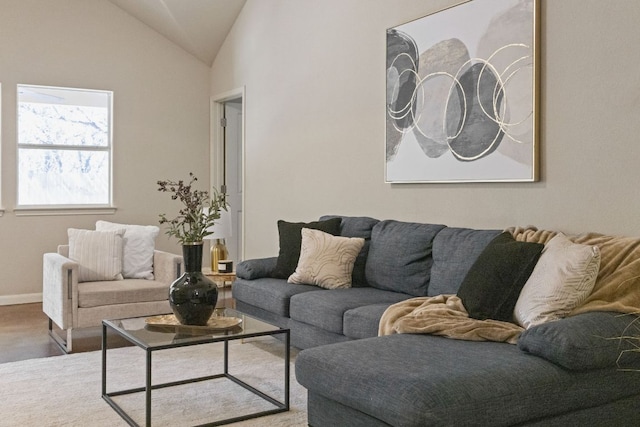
315, 95
161, 118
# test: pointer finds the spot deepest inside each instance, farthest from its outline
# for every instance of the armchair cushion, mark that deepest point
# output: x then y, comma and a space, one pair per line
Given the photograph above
126, 291
98, 254
139, 244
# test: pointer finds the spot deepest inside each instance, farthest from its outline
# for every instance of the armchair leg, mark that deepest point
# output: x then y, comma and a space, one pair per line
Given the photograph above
65, 346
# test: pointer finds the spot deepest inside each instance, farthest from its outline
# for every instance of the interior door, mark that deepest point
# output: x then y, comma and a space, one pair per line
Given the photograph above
233, 173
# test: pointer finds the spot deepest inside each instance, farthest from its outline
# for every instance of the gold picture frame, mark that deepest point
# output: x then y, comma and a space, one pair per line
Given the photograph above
462, 95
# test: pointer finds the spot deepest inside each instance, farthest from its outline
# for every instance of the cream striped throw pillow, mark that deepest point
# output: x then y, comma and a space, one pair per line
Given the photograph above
326, 260
98, 254
561, 280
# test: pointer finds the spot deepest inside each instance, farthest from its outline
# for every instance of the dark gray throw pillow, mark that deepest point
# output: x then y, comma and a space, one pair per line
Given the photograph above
454, 252
587, 341
491, 288
291, 240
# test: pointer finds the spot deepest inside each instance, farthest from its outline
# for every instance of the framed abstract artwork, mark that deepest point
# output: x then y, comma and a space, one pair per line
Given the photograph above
462, 95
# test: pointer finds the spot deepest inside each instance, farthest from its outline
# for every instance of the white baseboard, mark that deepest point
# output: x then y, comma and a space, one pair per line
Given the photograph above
20, 299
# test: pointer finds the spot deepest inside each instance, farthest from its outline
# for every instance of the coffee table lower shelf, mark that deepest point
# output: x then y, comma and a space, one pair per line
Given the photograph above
148, 388
280, 406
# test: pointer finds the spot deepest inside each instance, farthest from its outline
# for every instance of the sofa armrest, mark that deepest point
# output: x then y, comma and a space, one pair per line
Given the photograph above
256, 268
167, 267
59, 288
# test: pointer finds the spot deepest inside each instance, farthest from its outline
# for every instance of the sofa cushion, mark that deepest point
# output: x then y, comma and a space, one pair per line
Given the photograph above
562, 279
268, 294
257, 268
586, 341
454, 252
362, 322
126, 291
98, 254
352, 226
326, 260
326, 308
400, 256
138, 249
424, 380
290, 234
491, 287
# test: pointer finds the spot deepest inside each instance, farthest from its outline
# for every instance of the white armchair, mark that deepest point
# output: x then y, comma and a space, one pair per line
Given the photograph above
72, 305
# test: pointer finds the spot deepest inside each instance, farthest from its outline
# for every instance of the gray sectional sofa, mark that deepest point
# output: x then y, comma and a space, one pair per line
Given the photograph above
562, 373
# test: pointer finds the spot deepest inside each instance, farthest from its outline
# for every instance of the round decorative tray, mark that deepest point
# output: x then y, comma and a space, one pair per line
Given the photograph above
214, 323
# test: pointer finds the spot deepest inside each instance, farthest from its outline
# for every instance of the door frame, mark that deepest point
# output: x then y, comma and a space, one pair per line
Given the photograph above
216, 149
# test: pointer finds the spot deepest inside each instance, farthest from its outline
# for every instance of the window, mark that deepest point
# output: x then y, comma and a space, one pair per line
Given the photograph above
64, 147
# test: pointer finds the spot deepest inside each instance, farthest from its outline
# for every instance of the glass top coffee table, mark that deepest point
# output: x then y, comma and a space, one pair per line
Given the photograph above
153, 334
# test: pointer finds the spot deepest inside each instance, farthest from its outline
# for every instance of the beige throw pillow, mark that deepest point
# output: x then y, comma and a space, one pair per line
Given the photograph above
561, 280
139, 246
326, 260
98, 254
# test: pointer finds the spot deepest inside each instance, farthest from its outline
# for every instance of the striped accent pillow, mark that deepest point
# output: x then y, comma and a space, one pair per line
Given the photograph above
561, 280
326, 260
98, 254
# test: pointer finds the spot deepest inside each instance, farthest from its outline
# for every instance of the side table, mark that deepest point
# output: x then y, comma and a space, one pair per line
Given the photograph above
224, 281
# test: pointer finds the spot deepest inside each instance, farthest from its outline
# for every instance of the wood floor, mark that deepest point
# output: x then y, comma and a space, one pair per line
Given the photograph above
24, 335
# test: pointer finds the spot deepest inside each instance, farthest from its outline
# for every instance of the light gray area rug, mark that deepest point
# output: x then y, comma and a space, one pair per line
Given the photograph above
66, 390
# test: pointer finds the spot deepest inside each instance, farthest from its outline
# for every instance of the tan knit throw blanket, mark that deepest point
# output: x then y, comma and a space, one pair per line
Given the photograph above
446, 316
617, 289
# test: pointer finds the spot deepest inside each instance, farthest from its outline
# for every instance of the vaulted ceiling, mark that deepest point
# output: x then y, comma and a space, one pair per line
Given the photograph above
197, 26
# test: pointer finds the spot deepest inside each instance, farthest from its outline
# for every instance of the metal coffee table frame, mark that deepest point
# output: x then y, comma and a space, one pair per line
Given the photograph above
150, 348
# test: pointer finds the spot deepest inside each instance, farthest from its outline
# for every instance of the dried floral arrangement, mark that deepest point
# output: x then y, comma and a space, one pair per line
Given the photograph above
199, 212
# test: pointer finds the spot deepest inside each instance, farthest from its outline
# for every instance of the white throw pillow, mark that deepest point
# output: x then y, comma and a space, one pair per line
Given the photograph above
561, 280
326, 260
98, 254
139, 244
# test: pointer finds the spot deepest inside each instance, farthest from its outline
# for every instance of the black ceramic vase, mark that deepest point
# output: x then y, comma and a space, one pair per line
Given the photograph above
193, 296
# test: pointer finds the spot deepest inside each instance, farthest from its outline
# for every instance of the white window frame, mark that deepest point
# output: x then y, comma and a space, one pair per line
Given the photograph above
68, 209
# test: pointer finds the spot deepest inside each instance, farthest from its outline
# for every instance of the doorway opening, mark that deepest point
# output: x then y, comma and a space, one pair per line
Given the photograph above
227, 162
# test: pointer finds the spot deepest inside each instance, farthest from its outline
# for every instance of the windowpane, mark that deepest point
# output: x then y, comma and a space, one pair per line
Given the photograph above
64, 146
63, 125
63, 177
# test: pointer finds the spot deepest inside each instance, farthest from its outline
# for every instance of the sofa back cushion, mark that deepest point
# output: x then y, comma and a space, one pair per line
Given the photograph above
454, 252
357, 226
400, 256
